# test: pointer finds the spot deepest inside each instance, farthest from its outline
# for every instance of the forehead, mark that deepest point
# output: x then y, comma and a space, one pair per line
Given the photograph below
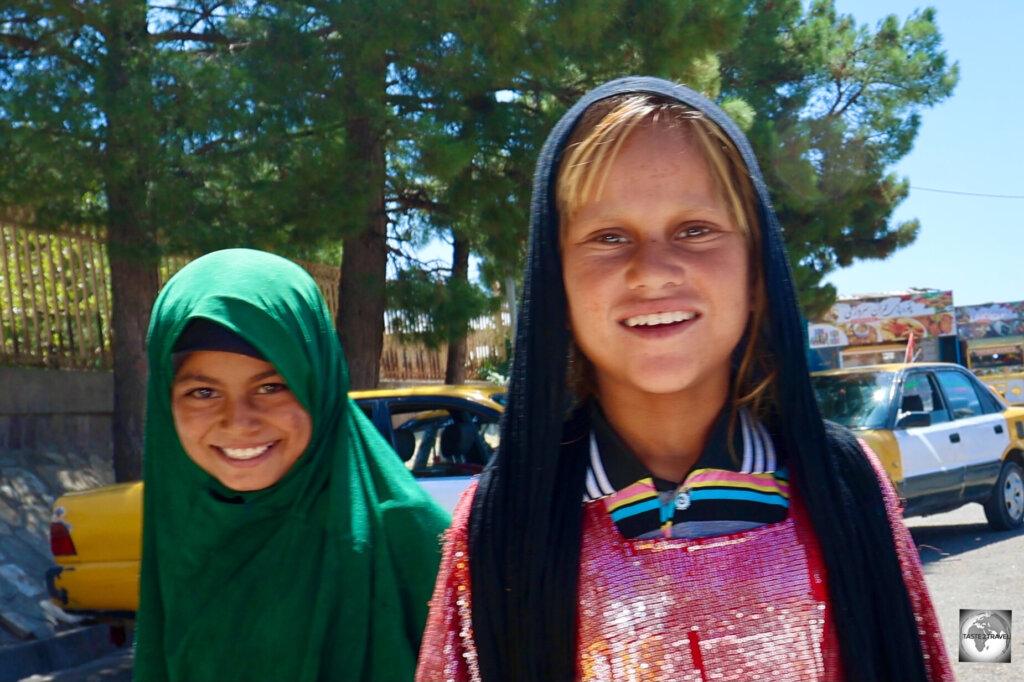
219, 365
654, 160
659, 152
602, 135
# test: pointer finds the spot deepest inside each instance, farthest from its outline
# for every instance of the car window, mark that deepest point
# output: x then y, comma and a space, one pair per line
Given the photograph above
919, 394
960, 394
990, 404
858, 400
442, 440
991, 400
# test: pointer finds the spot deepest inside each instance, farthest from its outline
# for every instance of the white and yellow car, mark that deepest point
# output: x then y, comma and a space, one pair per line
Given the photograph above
944, 437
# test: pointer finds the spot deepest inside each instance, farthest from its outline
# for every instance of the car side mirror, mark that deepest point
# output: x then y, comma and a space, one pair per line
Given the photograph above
912, 420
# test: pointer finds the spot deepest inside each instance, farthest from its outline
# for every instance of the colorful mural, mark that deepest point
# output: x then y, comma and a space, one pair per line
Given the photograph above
885, 319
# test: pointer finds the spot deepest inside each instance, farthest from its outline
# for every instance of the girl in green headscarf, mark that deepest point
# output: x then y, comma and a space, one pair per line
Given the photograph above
282, 539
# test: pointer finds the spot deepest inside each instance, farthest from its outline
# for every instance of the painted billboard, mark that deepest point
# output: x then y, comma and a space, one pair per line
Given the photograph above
991, 320
868, 320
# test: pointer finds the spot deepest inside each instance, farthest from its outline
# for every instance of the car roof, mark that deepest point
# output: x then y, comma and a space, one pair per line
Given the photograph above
479, 393
889, 367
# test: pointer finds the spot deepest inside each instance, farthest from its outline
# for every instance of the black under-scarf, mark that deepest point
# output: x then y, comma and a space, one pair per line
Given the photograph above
527, 513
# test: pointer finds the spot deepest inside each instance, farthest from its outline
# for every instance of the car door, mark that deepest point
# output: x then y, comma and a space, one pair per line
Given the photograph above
933, 474
443, 441
981, 428
376, 410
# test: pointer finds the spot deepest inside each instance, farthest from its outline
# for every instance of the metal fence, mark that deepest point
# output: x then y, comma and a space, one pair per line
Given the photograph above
55, 306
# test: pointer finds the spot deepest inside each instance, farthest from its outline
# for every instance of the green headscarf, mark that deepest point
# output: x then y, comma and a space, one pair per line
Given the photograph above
326, 574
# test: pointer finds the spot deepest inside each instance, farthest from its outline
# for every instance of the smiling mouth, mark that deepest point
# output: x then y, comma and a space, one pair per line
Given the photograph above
242, 454
658, 319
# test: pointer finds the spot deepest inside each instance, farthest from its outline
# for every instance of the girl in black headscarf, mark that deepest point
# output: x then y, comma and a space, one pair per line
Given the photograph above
691, 517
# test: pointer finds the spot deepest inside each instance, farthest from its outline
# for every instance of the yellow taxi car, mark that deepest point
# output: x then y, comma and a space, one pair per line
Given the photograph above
1010, 385
944, 437
445, 435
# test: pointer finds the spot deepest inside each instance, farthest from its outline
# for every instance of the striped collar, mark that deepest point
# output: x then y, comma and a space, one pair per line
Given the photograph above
614, 467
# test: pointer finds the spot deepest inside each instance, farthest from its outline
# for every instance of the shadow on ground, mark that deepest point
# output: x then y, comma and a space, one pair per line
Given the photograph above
940, 542
113, 668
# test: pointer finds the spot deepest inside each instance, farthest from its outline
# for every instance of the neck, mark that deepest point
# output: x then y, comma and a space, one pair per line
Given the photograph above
666, 432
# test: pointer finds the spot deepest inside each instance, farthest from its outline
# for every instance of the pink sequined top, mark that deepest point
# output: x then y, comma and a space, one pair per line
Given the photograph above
744, 606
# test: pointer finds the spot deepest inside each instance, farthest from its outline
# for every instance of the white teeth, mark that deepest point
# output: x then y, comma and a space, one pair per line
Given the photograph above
659, 318
246, 453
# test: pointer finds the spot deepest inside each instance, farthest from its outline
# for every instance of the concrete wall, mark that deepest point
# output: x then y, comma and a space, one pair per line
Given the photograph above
54, 437
45, 409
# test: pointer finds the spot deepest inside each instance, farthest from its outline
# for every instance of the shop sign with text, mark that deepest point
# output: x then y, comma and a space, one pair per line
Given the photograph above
991, 320
885, 319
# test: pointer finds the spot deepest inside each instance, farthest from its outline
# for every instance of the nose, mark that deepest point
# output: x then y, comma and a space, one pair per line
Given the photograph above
240, 415
654, 264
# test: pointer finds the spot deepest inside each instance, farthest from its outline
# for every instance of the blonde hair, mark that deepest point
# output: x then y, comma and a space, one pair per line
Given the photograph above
592, 149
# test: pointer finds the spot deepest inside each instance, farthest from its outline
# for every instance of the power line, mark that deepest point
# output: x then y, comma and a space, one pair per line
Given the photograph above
968, 194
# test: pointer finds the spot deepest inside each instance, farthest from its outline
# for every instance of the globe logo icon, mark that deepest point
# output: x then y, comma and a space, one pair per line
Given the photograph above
985, 637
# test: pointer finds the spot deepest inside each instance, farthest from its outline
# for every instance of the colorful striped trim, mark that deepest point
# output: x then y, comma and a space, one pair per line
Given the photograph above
709, 501
638, 492
746, 495
639, 508
719, 478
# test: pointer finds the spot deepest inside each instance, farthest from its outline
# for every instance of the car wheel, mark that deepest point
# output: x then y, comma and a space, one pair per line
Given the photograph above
1005, 509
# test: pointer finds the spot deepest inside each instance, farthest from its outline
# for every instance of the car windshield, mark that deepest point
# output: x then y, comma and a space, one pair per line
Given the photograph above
857, 400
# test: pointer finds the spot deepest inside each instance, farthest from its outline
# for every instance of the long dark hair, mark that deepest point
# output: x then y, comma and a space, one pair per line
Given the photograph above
527, 513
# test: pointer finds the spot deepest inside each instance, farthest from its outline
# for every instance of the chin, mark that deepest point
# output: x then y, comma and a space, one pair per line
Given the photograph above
663, 387
247, 484
662, 378
656, 384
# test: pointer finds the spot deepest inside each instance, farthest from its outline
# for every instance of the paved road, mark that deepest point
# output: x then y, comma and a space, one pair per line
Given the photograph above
113, 668
967, 566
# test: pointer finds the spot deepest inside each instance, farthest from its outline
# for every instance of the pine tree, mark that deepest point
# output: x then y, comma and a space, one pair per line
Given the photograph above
837, 105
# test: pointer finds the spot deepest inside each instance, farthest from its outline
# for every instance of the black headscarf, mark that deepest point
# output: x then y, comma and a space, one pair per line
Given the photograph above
527, 513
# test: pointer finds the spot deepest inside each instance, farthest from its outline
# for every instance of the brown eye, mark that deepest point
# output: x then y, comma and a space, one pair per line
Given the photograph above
694, 231
610, 238
202, 393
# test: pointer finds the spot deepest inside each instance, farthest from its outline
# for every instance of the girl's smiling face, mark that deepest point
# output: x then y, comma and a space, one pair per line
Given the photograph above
237, 420
656, 272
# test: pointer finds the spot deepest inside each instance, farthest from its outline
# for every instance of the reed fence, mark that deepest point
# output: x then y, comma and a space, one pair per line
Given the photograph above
485, 347
55, 306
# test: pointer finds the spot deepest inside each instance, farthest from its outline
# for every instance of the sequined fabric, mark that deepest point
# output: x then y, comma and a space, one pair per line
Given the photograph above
934, 649
448, 651
745, 606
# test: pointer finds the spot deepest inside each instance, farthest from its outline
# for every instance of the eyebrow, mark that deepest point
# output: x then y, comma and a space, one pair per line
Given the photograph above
202, 378
602, 209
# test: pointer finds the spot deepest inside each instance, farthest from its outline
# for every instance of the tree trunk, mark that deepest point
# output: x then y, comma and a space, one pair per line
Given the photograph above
134, 286
364, 261
131, 238
361, 301
455, 369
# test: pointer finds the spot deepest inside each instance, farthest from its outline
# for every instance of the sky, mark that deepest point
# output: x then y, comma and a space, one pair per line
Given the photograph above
971, 142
